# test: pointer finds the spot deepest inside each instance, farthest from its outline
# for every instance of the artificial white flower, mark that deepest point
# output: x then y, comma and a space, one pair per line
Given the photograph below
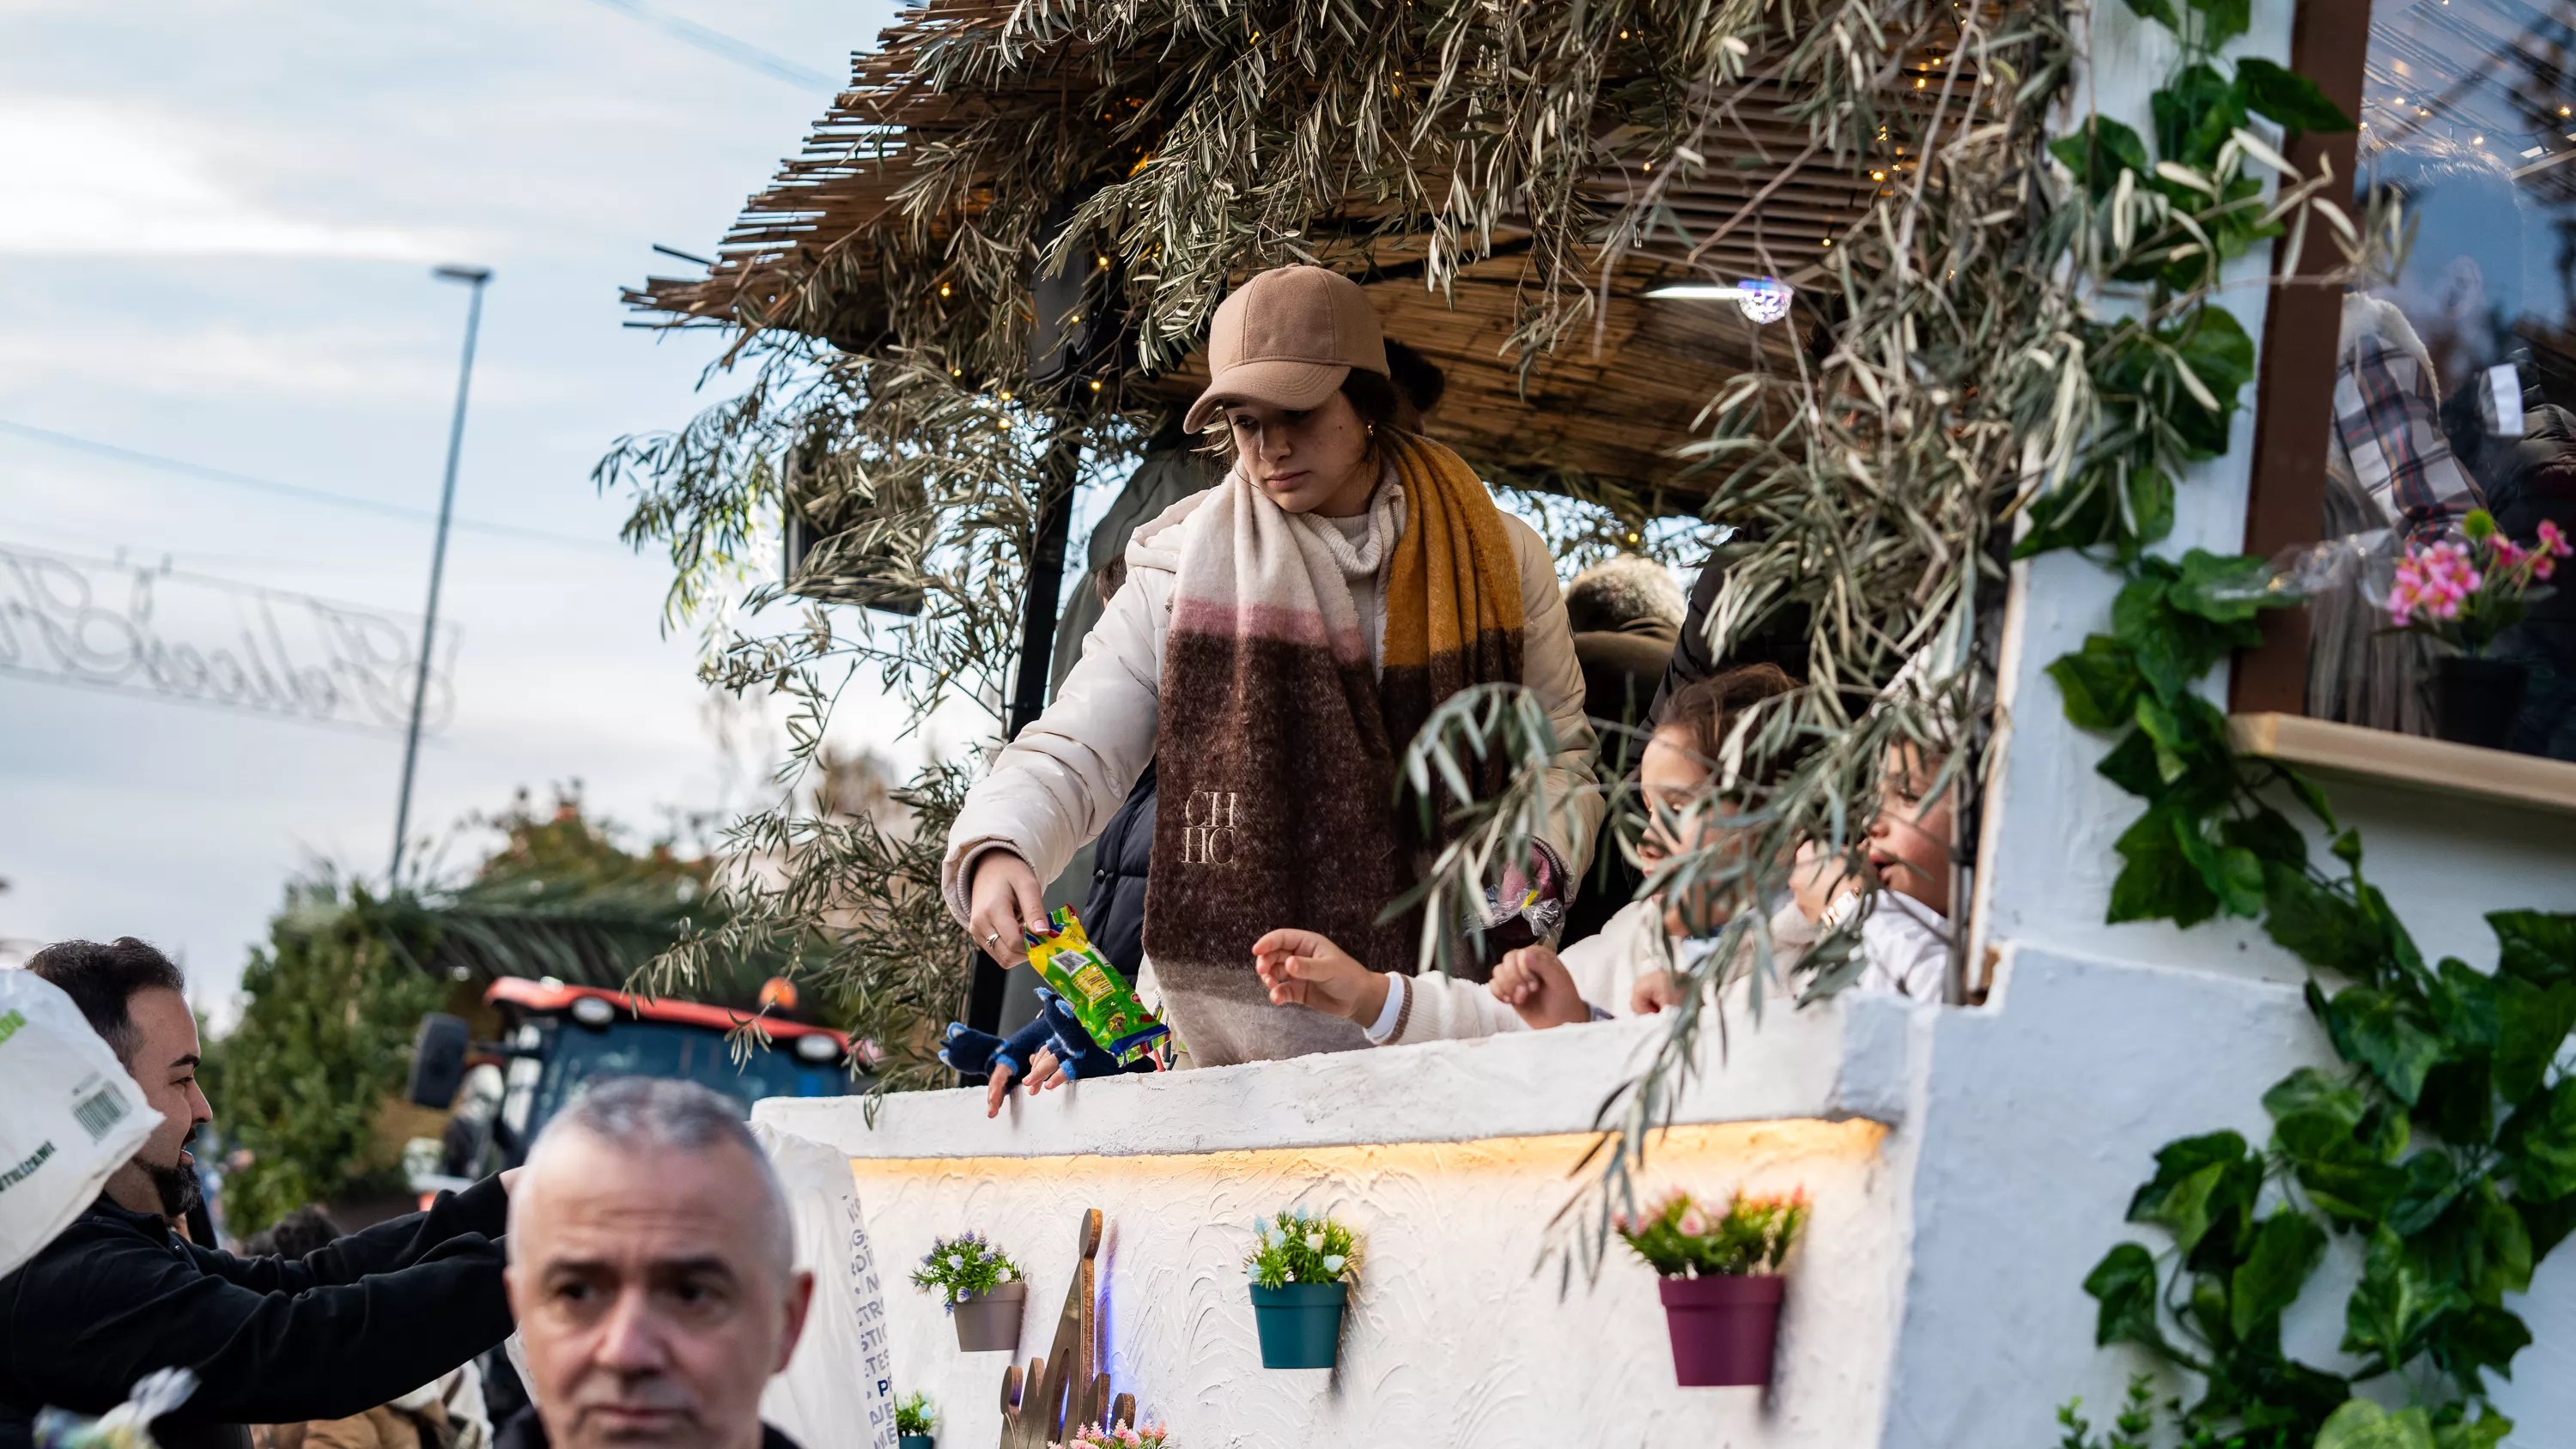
1006, 1272
1314, 1242
1335, 1263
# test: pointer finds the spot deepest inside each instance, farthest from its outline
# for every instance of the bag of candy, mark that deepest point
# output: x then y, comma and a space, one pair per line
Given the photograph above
128, 1425
1097, 991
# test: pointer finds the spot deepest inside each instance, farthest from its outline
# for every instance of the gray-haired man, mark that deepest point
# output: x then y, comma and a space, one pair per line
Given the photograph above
653, 1272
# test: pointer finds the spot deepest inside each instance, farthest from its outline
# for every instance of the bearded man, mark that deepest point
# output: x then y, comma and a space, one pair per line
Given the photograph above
272, 1340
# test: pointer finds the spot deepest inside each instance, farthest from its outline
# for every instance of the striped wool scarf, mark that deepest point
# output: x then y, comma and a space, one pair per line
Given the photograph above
1277, 743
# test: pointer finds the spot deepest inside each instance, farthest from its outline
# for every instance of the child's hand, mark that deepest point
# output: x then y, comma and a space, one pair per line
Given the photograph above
1655, 991
1533, 982
1818, 880
1302, 968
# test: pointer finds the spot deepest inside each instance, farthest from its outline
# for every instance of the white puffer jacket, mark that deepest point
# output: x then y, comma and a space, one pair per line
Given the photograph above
1057, 785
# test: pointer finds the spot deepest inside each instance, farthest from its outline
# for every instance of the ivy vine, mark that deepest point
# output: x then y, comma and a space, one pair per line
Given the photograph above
2445, 1144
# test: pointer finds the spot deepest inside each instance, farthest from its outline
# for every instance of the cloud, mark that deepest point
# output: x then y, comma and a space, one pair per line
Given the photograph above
94, 178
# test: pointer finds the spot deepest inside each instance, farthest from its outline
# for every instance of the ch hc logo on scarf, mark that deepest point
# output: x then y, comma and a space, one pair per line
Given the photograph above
1207, 827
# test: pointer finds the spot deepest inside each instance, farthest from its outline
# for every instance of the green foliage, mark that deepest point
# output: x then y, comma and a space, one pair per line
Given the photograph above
1679, 1238
912, 1414
2441, 1144
332, 1003
1298, 1246
958, 1268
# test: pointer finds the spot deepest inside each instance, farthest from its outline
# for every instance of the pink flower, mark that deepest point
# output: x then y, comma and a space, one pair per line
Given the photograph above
1693, 1224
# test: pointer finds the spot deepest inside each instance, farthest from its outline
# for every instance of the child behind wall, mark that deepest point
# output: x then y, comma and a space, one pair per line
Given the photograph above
1625, 969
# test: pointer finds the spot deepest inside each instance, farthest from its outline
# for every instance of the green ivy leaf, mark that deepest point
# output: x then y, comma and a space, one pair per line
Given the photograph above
2432, 1182
2131, 765
2493, 1255
2537, 946
2194, 114
2269, 835
2395, 1305
2100, 683
2487, 1432
2319, 925
2124, 1282
2223, 20
2532, 1023
2324, 1110
2386, 1034
2473, 1338
2466, 1005
2221, 354
2204, 1188
2361, 1424
2459, 1101
2099, 152
2540, 1141
2159, 11
2158, 880
2285, 96
2548, 1223
2287, 1248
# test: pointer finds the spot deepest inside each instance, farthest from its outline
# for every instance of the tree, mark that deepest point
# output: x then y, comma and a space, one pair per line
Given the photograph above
334, 999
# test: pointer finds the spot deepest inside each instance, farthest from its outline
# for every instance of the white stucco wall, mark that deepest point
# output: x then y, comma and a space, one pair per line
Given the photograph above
1450, 1160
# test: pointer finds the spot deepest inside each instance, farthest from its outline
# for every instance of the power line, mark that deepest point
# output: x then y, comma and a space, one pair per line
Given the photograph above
722, 46
295, 490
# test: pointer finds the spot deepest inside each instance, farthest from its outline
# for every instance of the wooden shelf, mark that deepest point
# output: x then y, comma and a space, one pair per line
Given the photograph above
2408, 760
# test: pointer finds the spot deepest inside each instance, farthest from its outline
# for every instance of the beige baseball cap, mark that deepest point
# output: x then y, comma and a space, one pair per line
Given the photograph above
1287, 338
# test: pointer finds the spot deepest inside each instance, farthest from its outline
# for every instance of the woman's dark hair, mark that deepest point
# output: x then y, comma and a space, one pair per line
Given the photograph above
1375, 400
1417, 377
1705, 711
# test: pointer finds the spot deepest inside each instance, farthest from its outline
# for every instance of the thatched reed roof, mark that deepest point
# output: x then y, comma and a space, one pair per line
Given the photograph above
910, 217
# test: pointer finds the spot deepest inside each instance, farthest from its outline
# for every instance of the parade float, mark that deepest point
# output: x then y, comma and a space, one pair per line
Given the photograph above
2245, 1110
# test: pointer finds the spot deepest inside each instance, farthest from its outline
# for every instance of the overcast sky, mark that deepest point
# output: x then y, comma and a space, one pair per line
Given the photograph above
215, 244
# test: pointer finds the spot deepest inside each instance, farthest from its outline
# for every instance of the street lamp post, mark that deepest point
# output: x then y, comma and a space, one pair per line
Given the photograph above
474, 277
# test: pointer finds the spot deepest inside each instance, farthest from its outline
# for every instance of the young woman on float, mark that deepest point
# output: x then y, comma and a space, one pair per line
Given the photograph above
1279, 640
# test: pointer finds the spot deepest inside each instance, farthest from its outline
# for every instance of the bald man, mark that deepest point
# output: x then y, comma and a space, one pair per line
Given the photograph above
653, 1272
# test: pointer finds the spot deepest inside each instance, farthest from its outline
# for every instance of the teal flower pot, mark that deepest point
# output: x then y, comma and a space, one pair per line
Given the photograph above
914, 1441
1300, 1323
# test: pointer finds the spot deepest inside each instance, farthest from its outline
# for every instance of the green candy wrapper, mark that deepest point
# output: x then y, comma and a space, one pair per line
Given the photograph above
1096, 990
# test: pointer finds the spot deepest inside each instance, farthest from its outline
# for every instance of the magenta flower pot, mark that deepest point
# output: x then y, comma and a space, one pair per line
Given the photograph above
1722, 1328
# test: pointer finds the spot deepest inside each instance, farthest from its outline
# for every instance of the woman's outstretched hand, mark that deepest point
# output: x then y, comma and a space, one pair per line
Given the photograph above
1004, 900
1302, 968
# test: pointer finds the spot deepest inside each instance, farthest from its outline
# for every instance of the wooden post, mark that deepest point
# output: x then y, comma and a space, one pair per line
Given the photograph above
987, 979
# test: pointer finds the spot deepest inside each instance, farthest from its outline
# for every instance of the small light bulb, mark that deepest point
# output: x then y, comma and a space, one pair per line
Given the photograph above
1095, 384
943, 289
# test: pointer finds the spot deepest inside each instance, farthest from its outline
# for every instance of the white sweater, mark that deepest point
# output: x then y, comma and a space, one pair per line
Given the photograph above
1057, 785
1905, 951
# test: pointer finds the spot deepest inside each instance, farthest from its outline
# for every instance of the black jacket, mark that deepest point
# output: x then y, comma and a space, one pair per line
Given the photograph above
524, 1430
273, 1340
1114, 916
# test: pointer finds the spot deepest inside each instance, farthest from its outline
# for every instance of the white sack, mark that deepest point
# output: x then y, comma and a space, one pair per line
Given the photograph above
838, 1391
74, 1115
